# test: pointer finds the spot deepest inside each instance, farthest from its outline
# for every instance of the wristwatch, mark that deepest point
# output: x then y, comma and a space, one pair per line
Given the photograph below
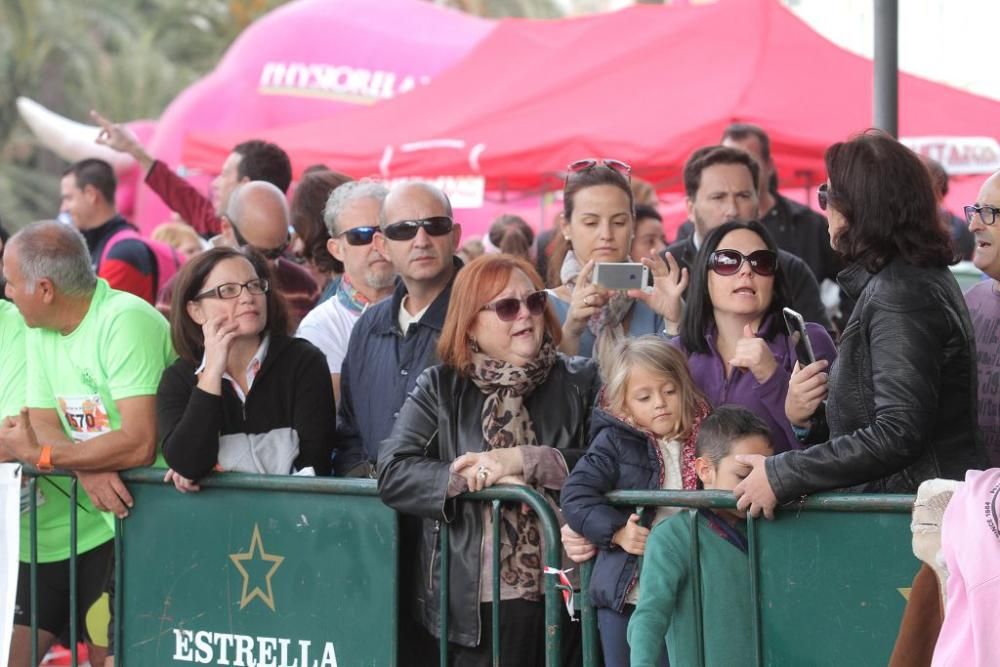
44, 463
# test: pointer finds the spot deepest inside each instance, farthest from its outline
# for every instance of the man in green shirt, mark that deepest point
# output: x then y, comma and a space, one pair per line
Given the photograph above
93, 360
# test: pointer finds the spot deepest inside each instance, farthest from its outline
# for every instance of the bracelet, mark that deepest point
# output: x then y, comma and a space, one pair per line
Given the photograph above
801, 431
45, 459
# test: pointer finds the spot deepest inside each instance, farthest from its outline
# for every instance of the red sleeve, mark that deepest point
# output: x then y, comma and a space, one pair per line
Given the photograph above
122, 275
181, 197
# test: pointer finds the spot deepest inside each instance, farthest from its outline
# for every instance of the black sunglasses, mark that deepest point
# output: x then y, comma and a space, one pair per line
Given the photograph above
729, 262
358, 235
823, 196
508, 309
269, 253
404, 230
987, 213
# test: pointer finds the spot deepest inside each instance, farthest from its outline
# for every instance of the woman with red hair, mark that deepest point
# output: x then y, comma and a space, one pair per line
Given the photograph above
504, 407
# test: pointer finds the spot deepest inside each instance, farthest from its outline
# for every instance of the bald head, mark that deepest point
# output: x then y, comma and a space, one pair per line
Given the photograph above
414, 195
986, 255
259, 211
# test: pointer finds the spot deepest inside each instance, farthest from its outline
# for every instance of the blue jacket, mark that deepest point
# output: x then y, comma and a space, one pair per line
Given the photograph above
380, 370
619, 457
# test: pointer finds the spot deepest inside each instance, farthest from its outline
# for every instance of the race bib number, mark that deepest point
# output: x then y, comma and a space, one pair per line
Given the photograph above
85, 416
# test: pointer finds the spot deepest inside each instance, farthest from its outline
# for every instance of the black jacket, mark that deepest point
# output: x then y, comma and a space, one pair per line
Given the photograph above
291, 390
441, 420
902, 393
619, 457
803, 290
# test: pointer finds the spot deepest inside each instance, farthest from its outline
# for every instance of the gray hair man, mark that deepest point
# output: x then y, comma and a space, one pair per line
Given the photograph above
352, 218
94, 356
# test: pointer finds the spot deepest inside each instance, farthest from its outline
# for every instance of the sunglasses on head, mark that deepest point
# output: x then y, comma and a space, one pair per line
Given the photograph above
404, 230
508, 309
729, 262
823, 196
358, 235
589, 163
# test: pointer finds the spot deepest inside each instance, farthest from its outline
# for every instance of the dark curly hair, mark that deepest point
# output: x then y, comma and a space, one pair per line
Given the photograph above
886, 196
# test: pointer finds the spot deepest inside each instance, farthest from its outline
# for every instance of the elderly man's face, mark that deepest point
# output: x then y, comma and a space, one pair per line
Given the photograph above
27, 298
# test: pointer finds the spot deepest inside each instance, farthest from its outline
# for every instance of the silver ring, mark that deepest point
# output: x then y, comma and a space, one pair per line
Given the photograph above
586, 300
484, 472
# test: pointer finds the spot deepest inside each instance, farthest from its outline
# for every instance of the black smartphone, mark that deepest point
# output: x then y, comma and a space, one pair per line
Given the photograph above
803, 347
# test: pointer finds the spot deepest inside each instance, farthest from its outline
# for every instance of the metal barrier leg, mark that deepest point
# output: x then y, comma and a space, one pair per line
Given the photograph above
445, 593
495, 607
754, 590
33, 521
696, 588
74, 598
118, 593
588, 617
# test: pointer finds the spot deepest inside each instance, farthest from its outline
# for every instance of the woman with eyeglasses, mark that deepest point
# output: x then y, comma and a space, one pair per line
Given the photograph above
243, 396
901, 404
598, 225
504, 407
733, 330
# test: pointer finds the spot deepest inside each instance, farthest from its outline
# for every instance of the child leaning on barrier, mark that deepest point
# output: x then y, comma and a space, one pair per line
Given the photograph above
666, 608
642, 436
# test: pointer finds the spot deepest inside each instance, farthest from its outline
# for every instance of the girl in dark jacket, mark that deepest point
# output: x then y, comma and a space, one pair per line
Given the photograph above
642, 437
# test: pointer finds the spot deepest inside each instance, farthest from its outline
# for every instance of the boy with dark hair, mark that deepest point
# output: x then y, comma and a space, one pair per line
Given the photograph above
668, 610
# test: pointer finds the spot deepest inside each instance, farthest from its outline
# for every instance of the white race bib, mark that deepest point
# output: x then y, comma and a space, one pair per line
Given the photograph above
85, 415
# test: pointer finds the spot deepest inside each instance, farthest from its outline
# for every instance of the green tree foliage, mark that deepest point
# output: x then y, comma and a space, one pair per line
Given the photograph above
128, 58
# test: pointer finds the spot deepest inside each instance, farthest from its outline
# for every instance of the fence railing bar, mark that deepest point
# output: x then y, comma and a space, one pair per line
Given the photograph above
753, 540
33, 529
495, 607
695, 566
74, 599
445, 592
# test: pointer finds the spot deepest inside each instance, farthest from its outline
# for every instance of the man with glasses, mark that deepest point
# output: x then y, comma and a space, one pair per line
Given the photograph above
351, 216
257, 217
983, 301
721, 186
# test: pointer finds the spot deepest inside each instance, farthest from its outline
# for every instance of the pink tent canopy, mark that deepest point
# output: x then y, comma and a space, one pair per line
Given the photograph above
308, 60
646, 84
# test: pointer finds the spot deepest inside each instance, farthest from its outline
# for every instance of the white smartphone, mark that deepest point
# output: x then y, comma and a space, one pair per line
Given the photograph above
803, 346
621, 275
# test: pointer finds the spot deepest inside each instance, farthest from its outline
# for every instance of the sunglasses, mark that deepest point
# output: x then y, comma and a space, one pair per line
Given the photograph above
508, 309
233, 290
729, 262
988, 214
404, 230
358, 235
589, 163
823, 196
269, 253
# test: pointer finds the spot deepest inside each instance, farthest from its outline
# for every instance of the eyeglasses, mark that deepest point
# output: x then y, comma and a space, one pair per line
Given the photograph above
233, 290
823, 196
269, 253
987, 213
508, 309
586, 164
359, 235
729, 262
404, 230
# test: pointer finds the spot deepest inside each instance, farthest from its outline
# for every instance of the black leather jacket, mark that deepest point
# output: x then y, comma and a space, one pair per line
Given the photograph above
902, 393
440, 421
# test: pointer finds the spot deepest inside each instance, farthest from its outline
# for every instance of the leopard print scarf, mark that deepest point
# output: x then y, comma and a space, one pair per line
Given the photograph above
506, 423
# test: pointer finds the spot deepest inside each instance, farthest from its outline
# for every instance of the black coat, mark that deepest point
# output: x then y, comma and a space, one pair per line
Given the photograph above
440, 421
902, 393
620, 457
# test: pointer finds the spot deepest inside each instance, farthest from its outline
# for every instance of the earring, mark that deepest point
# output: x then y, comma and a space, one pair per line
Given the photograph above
473, 345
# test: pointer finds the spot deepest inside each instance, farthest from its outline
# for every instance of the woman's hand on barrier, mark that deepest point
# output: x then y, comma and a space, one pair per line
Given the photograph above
219, 333
484, 469
586, 301
181, 483
753, 354
754, 494
578, 548
807, 388
667, 296
631, 537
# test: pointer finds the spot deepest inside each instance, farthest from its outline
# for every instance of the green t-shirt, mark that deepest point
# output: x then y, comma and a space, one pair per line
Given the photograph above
118, 351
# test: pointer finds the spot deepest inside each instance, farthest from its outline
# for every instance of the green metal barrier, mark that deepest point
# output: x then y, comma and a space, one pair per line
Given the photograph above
829, 576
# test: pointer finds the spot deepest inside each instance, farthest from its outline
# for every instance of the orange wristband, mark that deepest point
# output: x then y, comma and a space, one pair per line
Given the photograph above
45, 459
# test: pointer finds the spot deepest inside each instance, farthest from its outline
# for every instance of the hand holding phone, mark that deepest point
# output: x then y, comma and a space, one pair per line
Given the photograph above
621, 275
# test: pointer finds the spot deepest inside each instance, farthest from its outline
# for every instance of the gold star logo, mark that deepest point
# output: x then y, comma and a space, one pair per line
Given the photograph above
256, 546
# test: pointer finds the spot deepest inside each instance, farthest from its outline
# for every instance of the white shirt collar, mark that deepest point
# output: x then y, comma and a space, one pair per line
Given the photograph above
252, 369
